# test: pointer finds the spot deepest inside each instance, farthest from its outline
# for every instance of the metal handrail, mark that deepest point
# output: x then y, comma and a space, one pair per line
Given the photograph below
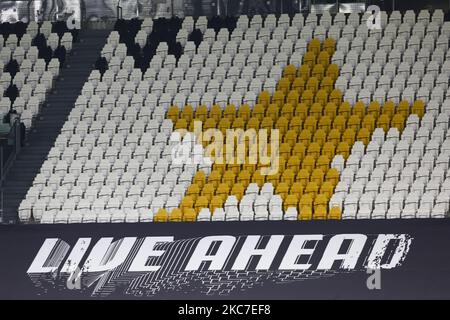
119, 10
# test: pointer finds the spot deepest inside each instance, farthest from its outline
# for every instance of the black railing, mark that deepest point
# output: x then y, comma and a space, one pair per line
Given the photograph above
8, 155
119, 10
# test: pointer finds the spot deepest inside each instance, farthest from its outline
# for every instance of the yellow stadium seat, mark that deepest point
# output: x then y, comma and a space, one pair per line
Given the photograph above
282, 189
323, 59
384, 122
278, 98
219, 167
193, 191
187, 113
299, 150
330, 110
202, 202
332, 71
388, 108
238, 123
238, 190
329, 149
223, 190
229, 178
317, 176
308, 163
313, 150
318, 71
173, 113
201, 112
398, 121
303, 177
327, 188
339, 123
290, 72
374, 109
273, 112
304, 72
189, 215
369, 122
301, 110
161, 216
364, 136
320, 137
210, 123
244, 178
418, 108
253, 123
208, 190
215, 113
199, 179
305, 137
320, 212
291, 138
299, 85
345, 109
216, 202
284, 85
287, 111
334, 136
312, 84
181, 124
296, 124
230, 112
288, 177
290, 200
244, 112
310, 124
223, 125
359, 109
187, 202
335, 213
258, 112
282, 125
176, 215
323, 163
267, 124
316, 110
297, 189
312, 189
264, 98
309, 58
343, 149
403, 108
327, 84
306, 213
335, 97
285, 150
306, 201
293, 97
329, 45
294, 164
215, 177
332, 176
349, 136
321, 97
314, 46
324, 124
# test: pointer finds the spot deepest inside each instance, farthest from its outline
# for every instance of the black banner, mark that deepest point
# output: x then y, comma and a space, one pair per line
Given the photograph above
227, 260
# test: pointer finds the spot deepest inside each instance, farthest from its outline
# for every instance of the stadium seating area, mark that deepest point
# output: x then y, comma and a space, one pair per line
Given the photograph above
30, 58
362, 118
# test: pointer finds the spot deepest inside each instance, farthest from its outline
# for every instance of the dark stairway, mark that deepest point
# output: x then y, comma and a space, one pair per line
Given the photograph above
47, 126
